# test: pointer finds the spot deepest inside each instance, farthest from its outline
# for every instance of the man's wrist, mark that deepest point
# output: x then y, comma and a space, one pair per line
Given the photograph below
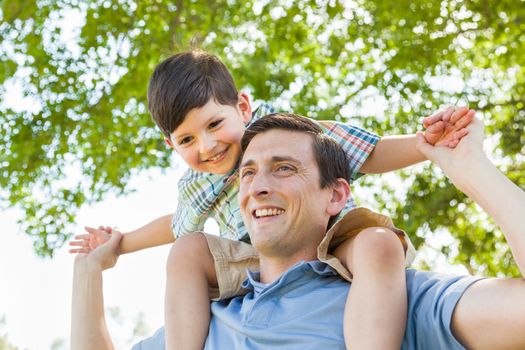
85, 265
471, 173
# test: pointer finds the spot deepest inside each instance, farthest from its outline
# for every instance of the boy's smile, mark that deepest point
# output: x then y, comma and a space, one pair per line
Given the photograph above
208, 139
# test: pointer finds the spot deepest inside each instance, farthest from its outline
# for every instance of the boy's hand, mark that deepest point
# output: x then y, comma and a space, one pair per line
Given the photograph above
88, 242
447, 128
104, 256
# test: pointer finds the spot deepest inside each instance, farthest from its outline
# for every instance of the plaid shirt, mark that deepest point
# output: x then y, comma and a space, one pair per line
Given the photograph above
205, 195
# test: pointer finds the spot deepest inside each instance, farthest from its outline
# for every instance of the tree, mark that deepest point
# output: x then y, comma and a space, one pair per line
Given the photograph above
5, 344
86, 96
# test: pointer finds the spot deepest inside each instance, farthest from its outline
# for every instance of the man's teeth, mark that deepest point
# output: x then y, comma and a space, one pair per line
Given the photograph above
268, 212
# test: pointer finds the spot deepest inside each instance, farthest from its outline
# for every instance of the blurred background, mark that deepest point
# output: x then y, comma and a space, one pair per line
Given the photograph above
78, 147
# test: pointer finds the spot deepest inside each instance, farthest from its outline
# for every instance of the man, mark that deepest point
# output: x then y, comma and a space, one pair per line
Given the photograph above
295, 301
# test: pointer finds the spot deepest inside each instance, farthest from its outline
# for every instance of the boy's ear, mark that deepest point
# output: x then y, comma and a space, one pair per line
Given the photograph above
339, 196
245, 107
170, 144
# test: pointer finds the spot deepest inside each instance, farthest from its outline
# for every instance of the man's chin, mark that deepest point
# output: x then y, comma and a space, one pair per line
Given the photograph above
262, 241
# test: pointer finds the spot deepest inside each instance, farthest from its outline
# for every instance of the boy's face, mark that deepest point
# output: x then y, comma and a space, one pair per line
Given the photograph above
209, 138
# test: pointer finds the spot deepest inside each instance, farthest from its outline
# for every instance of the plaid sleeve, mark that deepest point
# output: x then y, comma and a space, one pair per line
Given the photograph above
197, 194
357, 142
263, 109
185, 221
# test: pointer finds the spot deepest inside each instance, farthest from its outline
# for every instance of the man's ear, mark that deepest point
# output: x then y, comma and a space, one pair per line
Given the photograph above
339, 196
245, 107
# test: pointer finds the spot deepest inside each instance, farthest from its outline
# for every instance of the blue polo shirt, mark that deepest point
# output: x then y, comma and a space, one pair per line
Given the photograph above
300, 310
303, 309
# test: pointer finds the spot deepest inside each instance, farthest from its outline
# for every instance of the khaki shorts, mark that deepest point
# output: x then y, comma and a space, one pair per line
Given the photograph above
232, 258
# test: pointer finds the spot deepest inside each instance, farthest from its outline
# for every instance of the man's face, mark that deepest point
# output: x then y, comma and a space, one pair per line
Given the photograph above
208, 139
282, 204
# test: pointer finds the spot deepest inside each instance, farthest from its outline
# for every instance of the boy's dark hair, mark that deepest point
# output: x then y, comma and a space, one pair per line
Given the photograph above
331, 159
185, 81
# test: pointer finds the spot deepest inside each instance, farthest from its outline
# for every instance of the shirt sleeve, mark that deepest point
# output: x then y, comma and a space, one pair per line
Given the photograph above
197, 194
185, 220
357, 142
263, 109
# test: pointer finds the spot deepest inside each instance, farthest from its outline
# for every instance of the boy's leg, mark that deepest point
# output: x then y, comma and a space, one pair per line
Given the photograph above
491, 315
375, 313
190, 273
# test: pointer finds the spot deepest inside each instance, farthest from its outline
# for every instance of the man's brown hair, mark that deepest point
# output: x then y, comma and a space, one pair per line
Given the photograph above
331, 159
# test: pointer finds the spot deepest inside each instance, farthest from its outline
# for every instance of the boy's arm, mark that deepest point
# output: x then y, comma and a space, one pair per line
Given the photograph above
396, 152
156, 233
392, 153
153, 234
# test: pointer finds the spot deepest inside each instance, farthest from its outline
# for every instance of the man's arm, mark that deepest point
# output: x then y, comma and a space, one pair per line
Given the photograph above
88, 323
474, 174
491, 312
396, 152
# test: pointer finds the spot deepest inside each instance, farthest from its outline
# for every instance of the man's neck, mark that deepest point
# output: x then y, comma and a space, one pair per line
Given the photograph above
271, 268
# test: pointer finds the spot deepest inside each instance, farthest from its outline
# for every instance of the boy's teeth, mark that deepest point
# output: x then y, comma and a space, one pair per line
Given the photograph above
215, 157
268, 212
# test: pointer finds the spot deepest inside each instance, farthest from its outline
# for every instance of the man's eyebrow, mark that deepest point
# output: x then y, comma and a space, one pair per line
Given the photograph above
274, 159
247, 163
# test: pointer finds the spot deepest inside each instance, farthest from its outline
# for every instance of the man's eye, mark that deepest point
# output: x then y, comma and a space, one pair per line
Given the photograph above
246, 172
215, 123
185, 140
283, 168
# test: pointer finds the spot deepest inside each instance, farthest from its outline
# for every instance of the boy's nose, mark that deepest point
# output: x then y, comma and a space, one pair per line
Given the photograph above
207, 144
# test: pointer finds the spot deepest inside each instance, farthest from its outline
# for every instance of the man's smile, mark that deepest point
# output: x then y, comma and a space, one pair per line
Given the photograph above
258, 213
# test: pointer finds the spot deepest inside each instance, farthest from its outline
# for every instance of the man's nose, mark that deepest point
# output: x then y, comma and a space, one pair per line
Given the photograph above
261, 185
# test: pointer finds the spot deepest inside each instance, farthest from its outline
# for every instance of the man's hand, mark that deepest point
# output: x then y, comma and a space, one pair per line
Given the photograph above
106, 252
447, 128
455, 161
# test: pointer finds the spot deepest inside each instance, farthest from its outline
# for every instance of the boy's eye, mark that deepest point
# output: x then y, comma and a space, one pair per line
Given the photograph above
185, 140
215, 123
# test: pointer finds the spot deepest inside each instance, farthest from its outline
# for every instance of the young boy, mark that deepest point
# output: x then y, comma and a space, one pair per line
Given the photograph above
194, 101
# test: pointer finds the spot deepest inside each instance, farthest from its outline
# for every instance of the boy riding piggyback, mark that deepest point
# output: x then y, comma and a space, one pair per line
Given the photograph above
194, 101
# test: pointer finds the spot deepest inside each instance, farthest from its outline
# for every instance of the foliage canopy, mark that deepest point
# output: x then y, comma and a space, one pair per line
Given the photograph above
83, 68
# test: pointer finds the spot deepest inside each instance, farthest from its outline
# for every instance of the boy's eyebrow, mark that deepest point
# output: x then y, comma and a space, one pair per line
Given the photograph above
274, 159
215, 115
